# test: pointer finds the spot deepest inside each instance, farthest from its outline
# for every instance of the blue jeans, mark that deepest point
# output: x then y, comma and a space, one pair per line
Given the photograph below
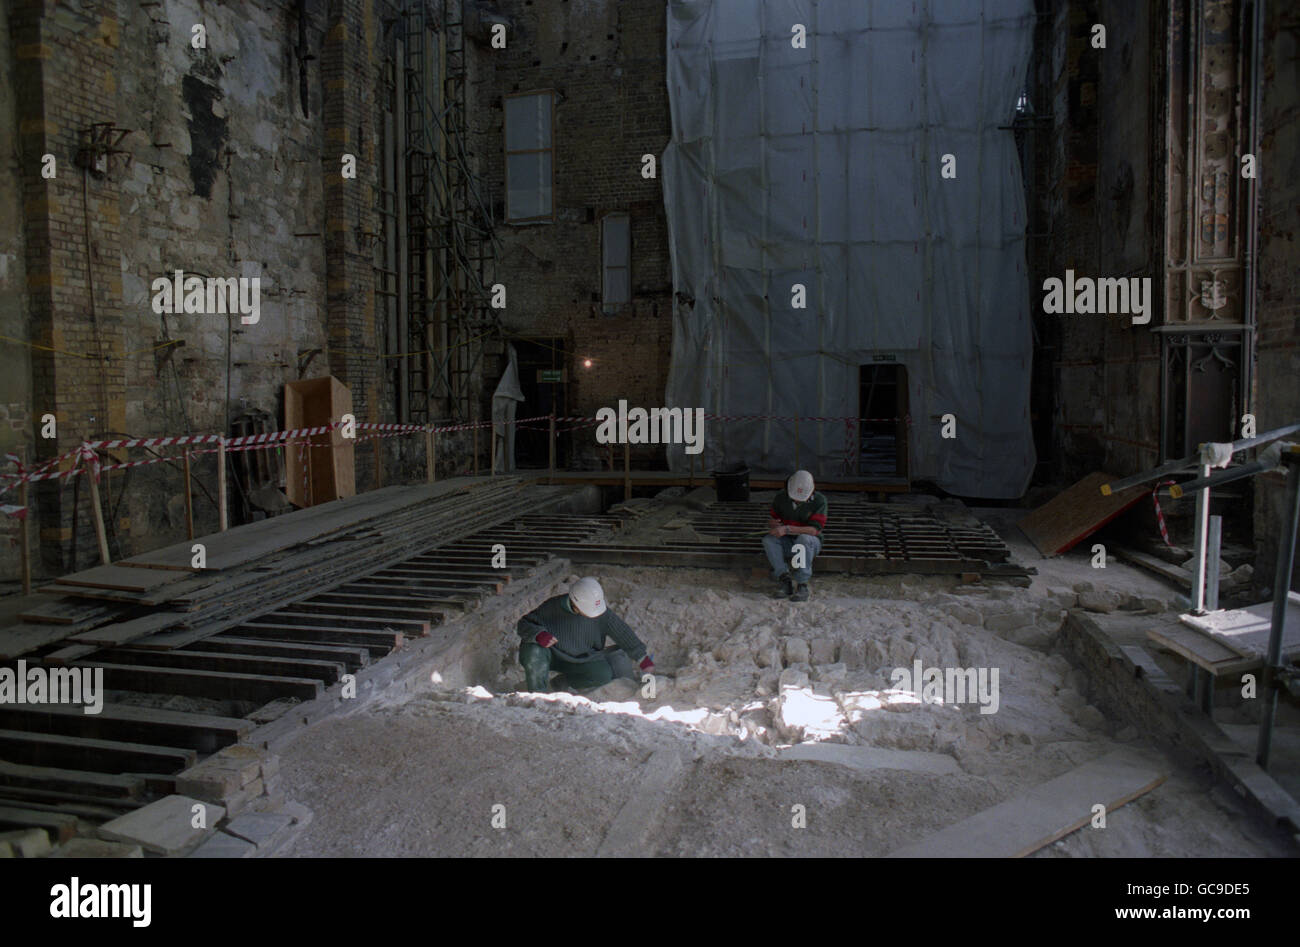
779, 549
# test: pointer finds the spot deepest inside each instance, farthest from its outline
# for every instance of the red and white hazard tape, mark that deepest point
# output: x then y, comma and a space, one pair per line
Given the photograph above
156, 441
1160, 516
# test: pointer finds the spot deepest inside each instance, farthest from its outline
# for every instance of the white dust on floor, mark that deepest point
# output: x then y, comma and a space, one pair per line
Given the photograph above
741, 675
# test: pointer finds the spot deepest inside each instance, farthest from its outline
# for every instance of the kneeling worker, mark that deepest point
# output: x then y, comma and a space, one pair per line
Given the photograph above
567, 633
797, 519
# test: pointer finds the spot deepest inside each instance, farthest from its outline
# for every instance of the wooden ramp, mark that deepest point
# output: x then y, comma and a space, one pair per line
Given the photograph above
1025, 823
1076, 513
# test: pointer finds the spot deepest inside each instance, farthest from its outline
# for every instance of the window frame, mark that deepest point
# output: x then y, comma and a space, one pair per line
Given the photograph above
507, 152
605, 305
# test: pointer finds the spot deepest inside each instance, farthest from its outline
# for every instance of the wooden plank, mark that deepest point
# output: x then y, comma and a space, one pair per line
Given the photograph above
1179, 576
327, 671
65, 611
65, 803
69, 654
252, 541
345, 594
1204, 651
1041, 815
20, 639
364, 610
1247, 629
1076, 513
413, 627
218, 685
80, 782
351, 657
126, 722
123, 631
61, 826
121, 578
104, 756
377, 642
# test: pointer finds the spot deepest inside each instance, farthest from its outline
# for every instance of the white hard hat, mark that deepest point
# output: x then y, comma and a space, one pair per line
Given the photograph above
588, 597
799, 486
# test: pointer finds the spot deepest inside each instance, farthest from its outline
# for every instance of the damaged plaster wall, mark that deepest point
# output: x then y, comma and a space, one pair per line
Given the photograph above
15, 362
226, 182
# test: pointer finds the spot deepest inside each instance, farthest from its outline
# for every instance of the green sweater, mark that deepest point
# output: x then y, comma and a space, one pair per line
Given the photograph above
811, 512
579, 638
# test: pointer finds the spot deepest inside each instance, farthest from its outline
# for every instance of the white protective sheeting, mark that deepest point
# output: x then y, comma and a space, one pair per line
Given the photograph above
821, 166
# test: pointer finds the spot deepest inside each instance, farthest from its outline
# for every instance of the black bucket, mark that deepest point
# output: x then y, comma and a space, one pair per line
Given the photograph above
732, 485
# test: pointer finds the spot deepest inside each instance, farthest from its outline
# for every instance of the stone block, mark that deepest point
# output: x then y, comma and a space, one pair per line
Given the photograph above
97, 848
822, 650
164, 827
263, 829
222, 845
27, 843
797, 651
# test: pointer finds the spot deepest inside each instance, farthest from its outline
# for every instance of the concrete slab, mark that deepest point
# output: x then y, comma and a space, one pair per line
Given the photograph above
221, 845
164, 827
1045, 813
263, 829
626, 836
872, 757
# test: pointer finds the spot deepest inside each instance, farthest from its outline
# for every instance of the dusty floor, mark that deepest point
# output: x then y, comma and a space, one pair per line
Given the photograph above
742, 675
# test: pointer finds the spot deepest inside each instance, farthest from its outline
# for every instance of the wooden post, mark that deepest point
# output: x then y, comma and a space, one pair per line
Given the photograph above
189, 496
550, 466
100, 533
492, 472
430, 458
627, 471
379, 468
475, 448
24, 535
223, 519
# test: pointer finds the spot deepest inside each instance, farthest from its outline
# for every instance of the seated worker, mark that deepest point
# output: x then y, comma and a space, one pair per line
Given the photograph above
798, 517
567, 634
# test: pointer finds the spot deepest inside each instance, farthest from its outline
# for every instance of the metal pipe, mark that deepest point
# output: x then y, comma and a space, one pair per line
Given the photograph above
1202, 535
1174, 466
1228, 476
1281, 598
1212, 553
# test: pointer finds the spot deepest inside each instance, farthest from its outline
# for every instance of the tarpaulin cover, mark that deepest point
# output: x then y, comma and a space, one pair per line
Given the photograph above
822, 166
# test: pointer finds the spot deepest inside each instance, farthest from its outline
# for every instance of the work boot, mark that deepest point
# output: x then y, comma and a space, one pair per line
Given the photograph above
801, 593
785, 587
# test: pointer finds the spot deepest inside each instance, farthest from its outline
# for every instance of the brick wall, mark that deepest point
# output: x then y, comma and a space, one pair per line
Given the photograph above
606, 62
227, 177
1103, 388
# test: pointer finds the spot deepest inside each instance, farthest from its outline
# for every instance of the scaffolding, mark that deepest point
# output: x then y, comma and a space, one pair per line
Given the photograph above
449, 232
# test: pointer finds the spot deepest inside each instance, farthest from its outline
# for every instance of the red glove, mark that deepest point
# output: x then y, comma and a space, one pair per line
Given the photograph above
646, 664
545, 639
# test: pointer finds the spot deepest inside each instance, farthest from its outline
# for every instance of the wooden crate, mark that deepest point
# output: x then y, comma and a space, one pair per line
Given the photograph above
313, 402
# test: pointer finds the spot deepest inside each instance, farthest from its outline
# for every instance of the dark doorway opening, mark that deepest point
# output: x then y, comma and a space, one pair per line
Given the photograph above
882, 430
543, 377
